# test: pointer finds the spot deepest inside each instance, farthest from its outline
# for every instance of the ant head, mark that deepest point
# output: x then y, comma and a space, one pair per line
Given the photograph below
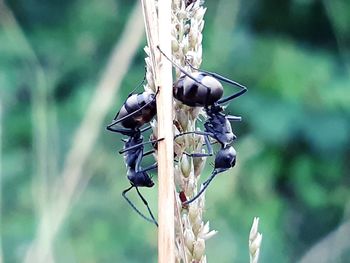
140, 179
214, 109
225, 158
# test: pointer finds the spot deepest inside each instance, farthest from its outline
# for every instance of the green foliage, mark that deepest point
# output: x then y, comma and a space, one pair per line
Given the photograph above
293, 143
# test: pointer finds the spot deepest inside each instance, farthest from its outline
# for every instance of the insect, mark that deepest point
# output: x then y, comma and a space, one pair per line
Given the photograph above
204, 89
137, 110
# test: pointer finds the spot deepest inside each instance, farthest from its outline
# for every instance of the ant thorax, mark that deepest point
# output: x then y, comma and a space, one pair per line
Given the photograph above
139, 178
220, 127
214, 110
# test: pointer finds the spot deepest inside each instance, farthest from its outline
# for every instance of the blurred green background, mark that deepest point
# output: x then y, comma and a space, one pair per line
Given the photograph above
293, 143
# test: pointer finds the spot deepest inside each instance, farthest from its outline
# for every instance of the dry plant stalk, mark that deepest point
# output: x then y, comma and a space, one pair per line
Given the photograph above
166, 244
255, 239
159, 78
186, 40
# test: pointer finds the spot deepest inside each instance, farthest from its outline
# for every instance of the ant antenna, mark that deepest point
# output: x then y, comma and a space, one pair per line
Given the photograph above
229, 81
181, 69
134, 207
146, 128
204, 186
146, 204
139, 145
187, 61
141, 83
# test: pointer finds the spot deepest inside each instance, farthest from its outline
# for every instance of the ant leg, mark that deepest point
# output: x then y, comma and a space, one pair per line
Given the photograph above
148, 208
119, 130
134, 207
232, 83
136, 111
229, 81
144, 170
129, 131
132, 92
233, 118
193, 132
151, 167
204, 186
207, 143
182, 70
210, 150
189, 75
146, 128
148, 153
141, 83
138, 160
139, 145
125, 131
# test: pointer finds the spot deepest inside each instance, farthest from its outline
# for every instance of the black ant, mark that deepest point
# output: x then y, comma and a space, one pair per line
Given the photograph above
203, 89
137, 110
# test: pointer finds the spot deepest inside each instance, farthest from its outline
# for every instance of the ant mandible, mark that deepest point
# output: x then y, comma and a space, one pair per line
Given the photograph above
203, 89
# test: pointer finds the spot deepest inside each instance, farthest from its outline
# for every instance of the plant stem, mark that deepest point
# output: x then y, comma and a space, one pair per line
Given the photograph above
159, 75
166, 235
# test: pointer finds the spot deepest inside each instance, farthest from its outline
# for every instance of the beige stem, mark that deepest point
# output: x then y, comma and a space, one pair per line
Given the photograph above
166, 234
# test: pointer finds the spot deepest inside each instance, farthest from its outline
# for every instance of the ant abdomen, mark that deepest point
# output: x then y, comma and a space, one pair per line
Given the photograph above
132, 105
205, 91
